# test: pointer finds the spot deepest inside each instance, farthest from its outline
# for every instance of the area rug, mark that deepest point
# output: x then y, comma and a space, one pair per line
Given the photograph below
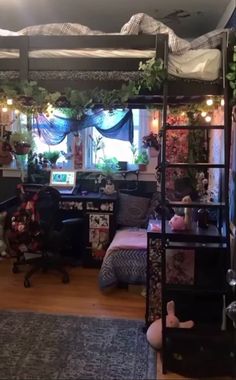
47, 347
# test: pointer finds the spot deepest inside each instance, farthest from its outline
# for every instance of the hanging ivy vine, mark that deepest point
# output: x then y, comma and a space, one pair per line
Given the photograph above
30, 98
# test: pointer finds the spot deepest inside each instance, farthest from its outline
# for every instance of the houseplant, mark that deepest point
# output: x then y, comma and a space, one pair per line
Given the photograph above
108, 166
142, 160
21, 142
51, 156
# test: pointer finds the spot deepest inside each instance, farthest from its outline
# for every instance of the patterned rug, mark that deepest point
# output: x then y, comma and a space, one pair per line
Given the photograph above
47, 347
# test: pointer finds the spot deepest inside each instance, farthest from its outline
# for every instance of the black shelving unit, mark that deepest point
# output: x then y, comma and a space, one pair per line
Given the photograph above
193, 352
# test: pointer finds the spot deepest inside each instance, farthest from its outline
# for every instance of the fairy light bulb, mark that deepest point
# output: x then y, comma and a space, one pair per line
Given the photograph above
222, 102
203, 114
17, 112
208, 119
9, 102
209, 102
4, 109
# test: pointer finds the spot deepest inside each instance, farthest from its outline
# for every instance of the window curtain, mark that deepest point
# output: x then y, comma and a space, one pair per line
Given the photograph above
116, 124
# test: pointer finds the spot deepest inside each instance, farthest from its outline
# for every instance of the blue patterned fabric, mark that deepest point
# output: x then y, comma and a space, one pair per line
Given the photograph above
123, 266
115, 124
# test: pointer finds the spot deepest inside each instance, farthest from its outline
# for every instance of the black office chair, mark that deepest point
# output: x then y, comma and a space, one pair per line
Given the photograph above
35, 235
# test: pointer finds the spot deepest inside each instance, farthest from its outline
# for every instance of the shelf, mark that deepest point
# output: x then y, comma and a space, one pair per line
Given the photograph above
192, 127
192, 245
195, 289
195, 235
193, 165
196, 204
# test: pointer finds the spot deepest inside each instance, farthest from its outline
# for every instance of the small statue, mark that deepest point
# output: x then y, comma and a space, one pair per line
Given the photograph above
187, 213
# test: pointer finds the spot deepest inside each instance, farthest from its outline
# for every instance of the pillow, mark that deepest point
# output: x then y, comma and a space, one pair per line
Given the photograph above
132, 210
5, 32
57, 29
209, 40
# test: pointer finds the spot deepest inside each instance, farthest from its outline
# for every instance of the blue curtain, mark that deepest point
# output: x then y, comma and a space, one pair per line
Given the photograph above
115, 124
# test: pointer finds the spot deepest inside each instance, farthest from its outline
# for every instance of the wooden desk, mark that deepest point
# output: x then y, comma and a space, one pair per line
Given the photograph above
98, 211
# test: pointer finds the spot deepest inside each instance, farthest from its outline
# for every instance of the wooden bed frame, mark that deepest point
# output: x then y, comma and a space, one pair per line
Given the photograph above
26, 68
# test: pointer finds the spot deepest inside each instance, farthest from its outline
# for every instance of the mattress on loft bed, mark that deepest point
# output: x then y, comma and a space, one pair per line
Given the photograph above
200, 64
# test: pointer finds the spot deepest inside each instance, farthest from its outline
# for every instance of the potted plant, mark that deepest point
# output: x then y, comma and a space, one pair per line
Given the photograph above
108, 166
21, 142
142, 160
51, 156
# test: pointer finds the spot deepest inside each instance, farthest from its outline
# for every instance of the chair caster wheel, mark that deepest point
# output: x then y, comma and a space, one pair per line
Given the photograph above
27, 283
15, 269
65, 279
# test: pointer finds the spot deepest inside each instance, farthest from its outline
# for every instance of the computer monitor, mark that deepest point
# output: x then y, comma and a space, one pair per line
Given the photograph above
63, 180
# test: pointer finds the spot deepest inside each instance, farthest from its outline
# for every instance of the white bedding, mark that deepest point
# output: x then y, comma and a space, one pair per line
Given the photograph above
202, 64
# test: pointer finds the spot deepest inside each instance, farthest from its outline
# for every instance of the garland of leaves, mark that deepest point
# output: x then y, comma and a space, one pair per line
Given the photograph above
231, 76
31, 99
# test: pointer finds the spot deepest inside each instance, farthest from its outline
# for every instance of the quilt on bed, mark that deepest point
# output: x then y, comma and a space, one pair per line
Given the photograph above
125, 261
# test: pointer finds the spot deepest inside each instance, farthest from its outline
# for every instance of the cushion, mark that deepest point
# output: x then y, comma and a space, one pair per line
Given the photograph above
209, 40
132, 210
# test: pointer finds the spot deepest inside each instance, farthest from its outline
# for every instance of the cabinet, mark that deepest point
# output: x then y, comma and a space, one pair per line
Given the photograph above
202, 292
97, 212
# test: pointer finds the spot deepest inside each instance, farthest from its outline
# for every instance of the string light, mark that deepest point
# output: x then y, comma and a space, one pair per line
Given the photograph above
4, 109
222, 102
209, 102
9, 102
208, 119
203, 113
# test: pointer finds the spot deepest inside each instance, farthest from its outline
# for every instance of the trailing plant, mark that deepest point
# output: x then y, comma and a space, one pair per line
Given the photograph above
31, 99
231, 76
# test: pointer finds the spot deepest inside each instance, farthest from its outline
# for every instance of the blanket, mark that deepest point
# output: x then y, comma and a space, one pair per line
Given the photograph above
138, 24
128, 238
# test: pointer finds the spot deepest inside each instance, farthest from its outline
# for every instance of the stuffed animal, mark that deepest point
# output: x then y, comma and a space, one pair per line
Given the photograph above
154, 332
177, 223
3, 246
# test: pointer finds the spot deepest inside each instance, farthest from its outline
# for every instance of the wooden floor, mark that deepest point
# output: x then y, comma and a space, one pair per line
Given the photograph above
81, 296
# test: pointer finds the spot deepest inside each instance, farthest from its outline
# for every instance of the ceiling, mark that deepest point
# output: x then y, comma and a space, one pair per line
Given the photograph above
188, 18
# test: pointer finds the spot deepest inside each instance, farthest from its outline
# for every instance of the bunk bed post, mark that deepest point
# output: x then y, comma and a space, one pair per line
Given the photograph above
227, 140
163, 202
24, 57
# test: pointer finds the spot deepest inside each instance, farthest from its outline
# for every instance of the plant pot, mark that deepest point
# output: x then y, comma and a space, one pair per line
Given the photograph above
21, 148
142, 167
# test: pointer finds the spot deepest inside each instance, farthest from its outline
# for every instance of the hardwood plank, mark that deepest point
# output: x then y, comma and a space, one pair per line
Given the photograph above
81, 296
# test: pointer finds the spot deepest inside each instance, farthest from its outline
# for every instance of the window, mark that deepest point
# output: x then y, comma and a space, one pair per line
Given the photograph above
112, 147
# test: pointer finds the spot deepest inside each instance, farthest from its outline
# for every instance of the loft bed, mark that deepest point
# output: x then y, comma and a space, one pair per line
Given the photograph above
106, 62
36, 57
